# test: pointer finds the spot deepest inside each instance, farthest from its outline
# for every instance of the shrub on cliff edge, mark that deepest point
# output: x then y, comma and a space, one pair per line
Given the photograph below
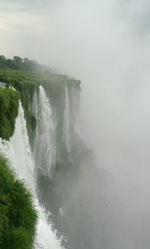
9, 101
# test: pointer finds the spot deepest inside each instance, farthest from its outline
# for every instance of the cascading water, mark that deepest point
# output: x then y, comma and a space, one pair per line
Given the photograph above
66, 124
18, 152
45, 144
24, 163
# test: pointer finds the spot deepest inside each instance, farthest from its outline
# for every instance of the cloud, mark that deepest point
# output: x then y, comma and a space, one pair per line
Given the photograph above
137, 13
36, 6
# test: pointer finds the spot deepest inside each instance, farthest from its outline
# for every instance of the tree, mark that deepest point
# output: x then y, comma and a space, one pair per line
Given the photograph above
17, 59
2, 61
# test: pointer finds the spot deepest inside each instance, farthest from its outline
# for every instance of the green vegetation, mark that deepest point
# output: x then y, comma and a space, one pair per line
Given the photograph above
9, 100
26, 84
17, 216
18, 63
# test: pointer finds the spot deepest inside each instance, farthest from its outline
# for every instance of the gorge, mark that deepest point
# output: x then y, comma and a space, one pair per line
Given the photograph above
58, 168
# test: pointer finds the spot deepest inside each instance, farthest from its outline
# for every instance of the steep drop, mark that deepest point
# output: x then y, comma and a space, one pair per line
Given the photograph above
19, 154
45, 144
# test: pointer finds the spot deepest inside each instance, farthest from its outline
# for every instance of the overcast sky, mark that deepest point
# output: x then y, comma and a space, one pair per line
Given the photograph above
58, 31
103, 43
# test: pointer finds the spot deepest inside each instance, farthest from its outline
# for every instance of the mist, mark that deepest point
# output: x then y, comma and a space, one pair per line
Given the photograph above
105, 44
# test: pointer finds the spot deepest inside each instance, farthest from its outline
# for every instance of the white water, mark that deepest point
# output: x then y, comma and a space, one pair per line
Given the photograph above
66, 124
24, 163
18, 152
45, 142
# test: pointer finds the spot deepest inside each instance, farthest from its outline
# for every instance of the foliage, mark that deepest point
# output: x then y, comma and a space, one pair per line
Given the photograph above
26, 84
18, 63
17, 218
9, 100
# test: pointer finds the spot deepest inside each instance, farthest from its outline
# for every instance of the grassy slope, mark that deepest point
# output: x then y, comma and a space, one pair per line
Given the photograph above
18, 217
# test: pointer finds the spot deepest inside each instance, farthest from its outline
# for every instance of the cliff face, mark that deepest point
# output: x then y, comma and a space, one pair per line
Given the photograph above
68, 182
63, 94
71, 189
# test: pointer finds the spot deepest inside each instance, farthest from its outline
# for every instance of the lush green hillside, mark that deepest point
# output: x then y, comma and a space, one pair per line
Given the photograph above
17, 214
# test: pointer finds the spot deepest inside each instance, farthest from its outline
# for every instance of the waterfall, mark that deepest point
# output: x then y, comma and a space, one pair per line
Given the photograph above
24, 163
66, 124
18, 152
45, 142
